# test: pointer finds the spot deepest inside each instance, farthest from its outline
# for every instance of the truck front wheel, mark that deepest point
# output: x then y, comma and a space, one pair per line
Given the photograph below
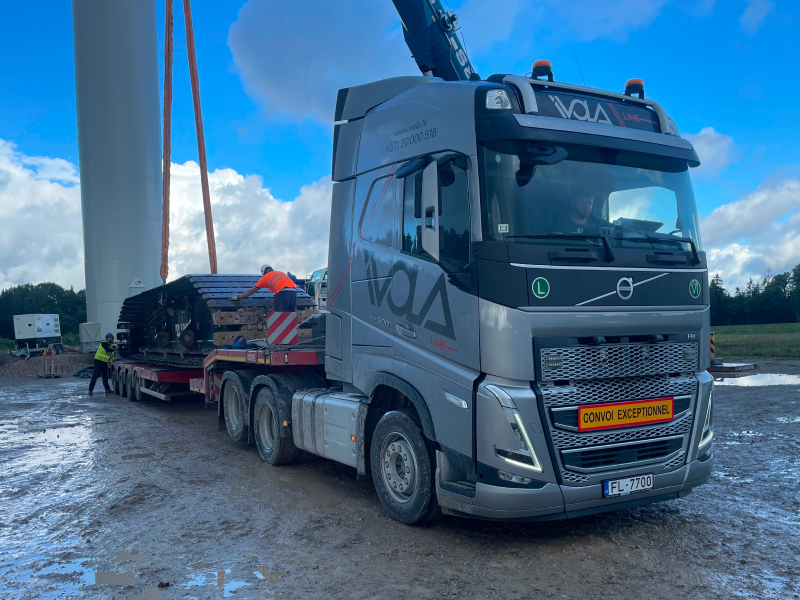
274, 449
402, 468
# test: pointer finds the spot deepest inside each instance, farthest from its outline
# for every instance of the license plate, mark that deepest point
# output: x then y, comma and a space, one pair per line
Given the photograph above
629, 485
625, 414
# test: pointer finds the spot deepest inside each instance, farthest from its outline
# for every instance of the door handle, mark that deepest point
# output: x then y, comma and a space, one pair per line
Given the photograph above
406, 332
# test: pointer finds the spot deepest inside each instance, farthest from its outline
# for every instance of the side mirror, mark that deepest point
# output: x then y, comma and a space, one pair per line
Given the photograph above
430, 210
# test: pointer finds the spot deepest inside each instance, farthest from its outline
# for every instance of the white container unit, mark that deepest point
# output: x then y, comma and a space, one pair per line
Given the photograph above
37, 331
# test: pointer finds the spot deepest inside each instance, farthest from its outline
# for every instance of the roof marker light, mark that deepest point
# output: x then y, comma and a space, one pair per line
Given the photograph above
634, 86
542, 68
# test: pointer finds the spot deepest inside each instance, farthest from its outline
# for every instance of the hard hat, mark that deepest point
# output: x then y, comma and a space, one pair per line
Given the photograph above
109, 335
265, 268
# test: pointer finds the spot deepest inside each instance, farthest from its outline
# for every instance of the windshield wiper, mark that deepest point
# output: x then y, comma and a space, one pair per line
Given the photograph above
610, 257
649, 238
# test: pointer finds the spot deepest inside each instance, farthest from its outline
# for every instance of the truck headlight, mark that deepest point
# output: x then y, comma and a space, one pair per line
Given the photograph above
524, 455
498, 99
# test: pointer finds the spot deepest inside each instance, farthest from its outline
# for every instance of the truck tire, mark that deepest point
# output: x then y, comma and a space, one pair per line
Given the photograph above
121, 383
137, 387
115, 380
130, 392
235, 403
401, 460
274, 449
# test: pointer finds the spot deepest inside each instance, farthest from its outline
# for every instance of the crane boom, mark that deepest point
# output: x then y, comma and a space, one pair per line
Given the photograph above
430, 33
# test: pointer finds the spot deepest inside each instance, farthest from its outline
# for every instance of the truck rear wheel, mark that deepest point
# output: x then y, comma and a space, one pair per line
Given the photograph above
235, 397
273, 448
131, 392
115, 380
402, 468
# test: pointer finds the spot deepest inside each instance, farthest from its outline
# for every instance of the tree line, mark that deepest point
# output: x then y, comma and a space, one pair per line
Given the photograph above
775, 299
42, 298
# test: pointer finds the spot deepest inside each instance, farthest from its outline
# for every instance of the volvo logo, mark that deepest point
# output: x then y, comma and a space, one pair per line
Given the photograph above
625, 288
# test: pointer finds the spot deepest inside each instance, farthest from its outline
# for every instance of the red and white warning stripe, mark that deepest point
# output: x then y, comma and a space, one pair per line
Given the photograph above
282, 327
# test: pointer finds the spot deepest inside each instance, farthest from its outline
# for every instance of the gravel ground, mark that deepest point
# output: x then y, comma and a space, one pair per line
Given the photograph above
12, 366
101, 498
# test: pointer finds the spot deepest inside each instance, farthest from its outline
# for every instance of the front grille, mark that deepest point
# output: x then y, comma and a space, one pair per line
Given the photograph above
566, 439
622, 360
596, 391
591, 375
617, 455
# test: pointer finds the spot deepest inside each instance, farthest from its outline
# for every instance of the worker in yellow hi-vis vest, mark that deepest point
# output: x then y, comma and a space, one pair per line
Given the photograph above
104, 355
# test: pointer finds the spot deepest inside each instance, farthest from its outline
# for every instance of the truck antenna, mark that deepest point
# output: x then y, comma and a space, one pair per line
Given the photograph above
579, 66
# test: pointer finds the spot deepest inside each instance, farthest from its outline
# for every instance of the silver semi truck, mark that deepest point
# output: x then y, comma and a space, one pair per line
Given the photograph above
518, 297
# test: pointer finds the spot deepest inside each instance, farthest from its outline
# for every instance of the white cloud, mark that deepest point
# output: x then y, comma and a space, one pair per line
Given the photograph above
589, 20
295, 56
754, 14
43, 239
251, 226
483, 25
42, 235
761, 231
716, 151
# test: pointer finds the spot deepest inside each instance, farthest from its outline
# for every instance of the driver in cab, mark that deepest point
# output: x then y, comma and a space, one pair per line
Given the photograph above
578, 217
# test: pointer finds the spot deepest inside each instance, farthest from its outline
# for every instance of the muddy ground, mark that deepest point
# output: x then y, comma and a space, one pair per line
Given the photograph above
101, 498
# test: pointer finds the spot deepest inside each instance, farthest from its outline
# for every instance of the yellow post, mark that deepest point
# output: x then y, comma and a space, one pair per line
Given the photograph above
712, 344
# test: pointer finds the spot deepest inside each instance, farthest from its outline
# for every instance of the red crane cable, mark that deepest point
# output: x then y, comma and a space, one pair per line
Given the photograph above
201, 142
167, 143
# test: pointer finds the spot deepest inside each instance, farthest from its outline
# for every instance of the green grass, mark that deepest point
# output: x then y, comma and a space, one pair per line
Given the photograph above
780, 340
69, 339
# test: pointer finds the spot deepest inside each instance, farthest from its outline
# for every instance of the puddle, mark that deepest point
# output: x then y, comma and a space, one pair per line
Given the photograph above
121, 457
265, 574
760, 379
113, 578
134, 556
148, 594
208, 576
788, 419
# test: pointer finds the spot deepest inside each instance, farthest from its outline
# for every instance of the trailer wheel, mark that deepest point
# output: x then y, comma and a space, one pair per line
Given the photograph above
402, 468
235, 396
115, 380
273, 448
129, 387
137, 388
121, 383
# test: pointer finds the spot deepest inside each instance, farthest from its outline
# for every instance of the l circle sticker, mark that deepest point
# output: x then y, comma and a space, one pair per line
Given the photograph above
540, 288
695, 288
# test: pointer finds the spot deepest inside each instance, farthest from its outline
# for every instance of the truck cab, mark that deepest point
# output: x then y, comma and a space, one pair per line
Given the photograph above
516, 266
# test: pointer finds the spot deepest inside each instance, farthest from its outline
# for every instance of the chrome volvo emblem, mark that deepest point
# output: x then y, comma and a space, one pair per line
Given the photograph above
625, 288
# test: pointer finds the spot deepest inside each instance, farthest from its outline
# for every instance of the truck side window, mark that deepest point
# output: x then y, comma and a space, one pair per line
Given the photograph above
376, 222
412, 214
454, 215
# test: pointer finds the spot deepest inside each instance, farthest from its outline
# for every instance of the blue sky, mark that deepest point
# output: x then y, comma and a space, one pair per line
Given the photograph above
269, 70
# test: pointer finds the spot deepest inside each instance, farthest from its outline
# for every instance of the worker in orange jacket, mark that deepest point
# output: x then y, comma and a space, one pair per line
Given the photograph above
279, 284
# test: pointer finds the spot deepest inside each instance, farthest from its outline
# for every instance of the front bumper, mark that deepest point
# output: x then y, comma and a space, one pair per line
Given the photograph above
553, 501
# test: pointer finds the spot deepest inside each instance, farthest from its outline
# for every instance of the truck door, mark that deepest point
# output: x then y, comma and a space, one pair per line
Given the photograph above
436, 318
374, 227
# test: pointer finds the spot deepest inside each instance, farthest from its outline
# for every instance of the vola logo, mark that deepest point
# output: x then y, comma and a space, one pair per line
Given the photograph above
379, 291
625, 288
583, 113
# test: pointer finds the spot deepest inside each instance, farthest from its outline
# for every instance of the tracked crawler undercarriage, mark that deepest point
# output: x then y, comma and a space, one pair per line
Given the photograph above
182, 321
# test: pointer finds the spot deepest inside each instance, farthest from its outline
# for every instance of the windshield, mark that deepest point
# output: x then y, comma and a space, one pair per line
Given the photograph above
621, 195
